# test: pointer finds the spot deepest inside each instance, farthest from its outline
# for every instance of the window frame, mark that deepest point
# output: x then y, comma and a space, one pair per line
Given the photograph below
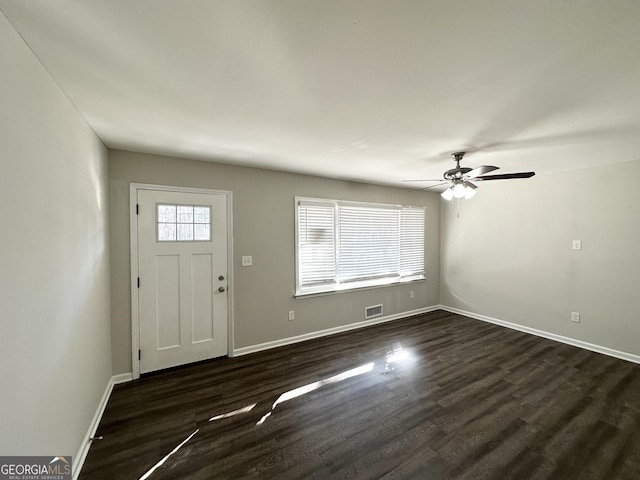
177, 223
370, 282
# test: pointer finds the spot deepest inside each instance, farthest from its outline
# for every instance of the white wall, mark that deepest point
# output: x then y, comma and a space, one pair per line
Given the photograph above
263, 226
509, 254
55, 357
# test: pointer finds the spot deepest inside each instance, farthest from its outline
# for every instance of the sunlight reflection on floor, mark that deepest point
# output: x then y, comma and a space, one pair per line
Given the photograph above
393, 358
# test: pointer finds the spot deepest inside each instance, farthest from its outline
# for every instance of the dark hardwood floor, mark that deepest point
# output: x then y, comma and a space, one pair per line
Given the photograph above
429, 397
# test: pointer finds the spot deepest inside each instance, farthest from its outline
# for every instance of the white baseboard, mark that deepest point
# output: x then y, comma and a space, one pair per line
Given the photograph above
78, 460
630, 357
122, 378
329, 331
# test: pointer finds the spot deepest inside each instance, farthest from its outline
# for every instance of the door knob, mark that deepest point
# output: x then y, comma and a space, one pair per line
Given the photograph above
221, 277
221, 289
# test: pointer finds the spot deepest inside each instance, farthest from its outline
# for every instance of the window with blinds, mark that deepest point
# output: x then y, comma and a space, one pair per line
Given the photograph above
342, 245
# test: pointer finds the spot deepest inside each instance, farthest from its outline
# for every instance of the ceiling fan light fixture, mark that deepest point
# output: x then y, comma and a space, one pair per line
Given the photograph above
459, 190
447, 194
464, 190
469, 193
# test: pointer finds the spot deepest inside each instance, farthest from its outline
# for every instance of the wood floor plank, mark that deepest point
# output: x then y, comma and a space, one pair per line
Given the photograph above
436, 396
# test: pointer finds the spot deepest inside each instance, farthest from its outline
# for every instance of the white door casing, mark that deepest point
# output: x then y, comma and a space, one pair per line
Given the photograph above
182, 294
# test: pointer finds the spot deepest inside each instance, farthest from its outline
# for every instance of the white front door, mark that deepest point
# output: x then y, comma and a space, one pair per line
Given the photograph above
182, 287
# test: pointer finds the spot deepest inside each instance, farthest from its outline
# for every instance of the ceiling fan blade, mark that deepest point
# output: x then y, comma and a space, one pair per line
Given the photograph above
430, 186
481, 170
506, 176
424, 180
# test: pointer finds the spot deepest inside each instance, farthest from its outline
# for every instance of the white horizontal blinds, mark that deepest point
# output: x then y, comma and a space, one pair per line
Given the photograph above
369, 242
316, 245
343, 245
412, 242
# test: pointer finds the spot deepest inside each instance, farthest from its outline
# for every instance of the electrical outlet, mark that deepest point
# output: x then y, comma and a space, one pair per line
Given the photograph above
412, 294
247, 260
577, 244
575, 317
292, 315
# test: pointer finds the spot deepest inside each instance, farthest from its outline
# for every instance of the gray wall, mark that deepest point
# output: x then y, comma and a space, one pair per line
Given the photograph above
263, 219
55, 360
509, 254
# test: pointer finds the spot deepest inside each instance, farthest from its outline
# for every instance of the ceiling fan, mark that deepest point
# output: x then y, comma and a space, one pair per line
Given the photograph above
459, 178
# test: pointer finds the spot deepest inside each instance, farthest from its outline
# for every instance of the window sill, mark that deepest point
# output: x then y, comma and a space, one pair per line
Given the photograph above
354, 289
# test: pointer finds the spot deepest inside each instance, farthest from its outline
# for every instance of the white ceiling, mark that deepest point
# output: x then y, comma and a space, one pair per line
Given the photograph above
370, 90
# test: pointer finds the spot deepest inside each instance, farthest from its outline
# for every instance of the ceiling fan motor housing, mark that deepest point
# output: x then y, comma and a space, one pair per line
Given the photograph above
458, 172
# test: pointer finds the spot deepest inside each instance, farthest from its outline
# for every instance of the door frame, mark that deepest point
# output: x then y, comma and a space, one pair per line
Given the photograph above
133, 236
